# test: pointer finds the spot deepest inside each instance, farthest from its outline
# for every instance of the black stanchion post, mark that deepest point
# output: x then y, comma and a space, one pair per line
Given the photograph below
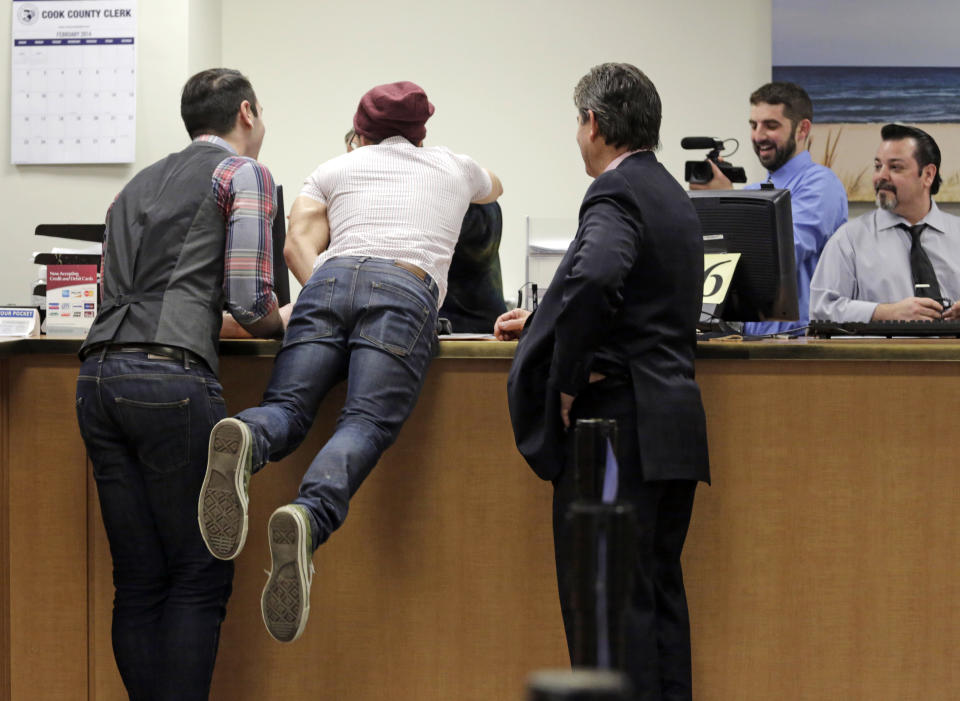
603, 543
578, 685
601, 546
592, 439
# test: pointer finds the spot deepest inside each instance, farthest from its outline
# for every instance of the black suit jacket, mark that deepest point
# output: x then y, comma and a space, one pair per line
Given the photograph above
628, 292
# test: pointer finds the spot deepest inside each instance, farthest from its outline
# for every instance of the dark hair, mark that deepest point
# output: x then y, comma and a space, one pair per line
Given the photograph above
211, 99
796, 103
926, 150
350, 135
625, 102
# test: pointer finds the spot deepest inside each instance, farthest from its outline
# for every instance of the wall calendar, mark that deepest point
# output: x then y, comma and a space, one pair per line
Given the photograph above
74, 81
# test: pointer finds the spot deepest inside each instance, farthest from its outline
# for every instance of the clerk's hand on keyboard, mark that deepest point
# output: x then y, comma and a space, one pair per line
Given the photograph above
909, 309
951, 310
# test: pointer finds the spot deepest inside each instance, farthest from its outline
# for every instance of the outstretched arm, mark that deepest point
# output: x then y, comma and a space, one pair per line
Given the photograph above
496, 189
309, 235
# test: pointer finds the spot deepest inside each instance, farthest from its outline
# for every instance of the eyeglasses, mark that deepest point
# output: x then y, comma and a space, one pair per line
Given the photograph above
352, 140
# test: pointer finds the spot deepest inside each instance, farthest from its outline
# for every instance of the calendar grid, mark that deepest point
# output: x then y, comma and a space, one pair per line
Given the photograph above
73, 82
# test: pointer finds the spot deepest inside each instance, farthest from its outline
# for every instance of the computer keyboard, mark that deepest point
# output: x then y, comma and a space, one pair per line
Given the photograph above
889, 329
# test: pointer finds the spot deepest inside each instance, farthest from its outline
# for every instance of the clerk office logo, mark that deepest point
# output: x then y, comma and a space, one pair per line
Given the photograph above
27, 14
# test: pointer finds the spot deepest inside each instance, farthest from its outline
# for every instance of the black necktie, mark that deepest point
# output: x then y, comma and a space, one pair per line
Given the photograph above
920, 265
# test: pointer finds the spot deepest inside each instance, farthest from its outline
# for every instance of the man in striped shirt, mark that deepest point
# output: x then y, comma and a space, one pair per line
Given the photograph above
371, 238
186, 236
474, 286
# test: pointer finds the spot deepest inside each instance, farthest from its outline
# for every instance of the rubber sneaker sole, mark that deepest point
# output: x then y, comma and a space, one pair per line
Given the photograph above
285, 603
222, 507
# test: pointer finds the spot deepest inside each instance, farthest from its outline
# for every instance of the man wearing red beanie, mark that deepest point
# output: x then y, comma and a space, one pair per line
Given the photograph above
371, 238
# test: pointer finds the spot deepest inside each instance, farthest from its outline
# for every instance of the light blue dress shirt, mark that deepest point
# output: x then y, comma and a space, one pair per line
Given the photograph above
819, 205
867, 262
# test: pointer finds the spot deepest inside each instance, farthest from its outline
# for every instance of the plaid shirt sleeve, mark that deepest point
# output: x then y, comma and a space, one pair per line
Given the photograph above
246, 196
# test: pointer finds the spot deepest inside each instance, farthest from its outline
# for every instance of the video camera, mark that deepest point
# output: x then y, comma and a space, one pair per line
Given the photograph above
700, 171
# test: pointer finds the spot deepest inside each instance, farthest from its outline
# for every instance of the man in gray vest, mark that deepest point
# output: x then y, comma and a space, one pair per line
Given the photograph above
187, 236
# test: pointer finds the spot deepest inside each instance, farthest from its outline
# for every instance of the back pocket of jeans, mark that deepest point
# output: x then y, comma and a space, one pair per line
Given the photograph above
313, 315
394, 319
159, 431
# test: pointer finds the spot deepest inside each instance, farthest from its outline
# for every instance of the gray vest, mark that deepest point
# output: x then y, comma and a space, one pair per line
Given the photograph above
163, 260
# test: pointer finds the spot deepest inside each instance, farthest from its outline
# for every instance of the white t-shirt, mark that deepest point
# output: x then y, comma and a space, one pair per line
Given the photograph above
398, 201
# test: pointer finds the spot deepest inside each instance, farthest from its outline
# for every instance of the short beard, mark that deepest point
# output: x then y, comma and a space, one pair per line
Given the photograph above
890, 202
781, 155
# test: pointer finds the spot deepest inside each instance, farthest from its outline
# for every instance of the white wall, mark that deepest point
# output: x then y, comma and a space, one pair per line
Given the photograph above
204, 34
501, 75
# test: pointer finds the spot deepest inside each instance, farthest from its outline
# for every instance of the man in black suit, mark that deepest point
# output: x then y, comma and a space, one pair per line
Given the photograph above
614, 338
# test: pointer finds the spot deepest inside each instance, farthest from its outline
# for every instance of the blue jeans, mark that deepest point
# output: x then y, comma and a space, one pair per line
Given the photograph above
373, 323
145, 423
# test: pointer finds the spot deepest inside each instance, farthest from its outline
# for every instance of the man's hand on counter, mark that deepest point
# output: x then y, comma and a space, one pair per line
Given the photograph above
509, 325
232, 329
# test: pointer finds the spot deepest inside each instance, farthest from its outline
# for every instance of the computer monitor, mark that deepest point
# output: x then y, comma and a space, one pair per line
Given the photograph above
281, 278
757, 224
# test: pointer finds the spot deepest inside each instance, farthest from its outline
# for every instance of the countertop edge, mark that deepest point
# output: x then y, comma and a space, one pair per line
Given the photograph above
860, 349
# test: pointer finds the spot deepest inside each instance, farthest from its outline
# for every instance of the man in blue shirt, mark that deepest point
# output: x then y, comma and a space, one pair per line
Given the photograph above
781, 116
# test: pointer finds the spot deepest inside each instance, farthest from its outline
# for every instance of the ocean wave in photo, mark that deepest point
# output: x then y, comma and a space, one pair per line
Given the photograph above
878, 94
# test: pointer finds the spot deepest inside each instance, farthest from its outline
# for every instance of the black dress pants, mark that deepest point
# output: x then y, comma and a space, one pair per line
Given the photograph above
656, 623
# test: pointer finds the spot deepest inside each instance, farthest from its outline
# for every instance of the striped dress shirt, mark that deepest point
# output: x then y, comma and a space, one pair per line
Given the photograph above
398, 201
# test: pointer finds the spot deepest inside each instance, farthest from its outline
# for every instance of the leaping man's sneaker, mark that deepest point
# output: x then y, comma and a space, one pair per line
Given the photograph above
222, 508
285, 603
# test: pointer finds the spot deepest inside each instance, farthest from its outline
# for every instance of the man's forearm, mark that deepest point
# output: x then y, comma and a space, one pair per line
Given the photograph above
496, 189
309, 234
300, 256
270, 326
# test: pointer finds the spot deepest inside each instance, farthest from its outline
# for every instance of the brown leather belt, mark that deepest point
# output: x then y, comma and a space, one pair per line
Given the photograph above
157, 349
411, 268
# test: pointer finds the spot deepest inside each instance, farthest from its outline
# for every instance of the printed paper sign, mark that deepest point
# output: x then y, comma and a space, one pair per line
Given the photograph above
19, 321
71, 299
717, 272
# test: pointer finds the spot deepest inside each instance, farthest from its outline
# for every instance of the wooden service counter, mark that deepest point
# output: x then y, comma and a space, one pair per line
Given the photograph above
821, 564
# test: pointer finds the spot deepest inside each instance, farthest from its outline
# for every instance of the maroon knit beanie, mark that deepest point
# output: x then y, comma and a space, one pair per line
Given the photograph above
394, 109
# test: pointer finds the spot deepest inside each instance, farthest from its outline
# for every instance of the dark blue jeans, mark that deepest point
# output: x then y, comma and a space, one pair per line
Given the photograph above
373, 323
145, 423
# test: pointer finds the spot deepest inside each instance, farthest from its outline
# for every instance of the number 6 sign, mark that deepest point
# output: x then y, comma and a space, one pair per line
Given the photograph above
717, 272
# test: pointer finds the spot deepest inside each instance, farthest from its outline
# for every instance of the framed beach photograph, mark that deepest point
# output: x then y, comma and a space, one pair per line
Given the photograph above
866, 63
